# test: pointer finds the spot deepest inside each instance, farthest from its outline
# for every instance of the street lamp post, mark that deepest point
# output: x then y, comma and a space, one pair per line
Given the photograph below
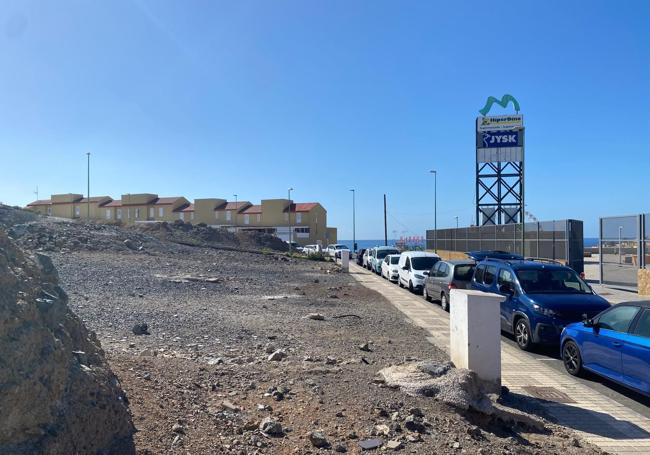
290, 233
456, 235
620, 243
88, 189
354, 236
435, 210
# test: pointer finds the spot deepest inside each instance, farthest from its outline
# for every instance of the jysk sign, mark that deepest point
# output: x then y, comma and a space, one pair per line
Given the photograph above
493, 139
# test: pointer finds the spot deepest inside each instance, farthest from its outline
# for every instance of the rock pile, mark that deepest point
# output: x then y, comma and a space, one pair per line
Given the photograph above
57, 393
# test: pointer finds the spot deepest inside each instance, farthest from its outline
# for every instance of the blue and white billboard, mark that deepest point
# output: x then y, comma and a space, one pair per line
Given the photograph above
493, 139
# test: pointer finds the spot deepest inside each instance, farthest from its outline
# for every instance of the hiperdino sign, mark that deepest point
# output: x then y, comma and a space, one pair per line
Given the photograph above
499, 122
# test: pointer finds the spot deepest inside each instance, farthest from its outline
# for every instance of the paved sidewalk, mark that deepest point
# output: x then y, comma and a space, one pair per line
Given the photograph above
597, 418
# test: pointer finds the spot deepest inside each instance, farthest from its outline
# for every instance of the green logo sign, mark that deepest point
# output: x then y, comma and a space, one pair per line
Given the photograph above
505, 99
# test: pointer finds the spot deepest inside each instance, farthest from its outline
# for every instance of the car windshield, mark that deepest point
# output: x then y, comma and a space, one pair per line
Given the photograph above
423, 262
394, 260
557, 281
381, 254
464, 272
342, 247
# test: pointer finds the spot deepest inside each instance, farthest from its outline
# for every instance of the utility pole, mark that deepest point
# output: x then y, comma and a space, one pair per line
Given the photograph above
290, 204
354, 232
435, 210
88, 190
385, 224
36, 192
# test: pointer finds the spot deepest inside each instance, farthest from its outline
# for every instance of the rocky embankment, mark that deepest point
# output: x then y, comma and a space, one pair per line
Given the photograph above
57, 393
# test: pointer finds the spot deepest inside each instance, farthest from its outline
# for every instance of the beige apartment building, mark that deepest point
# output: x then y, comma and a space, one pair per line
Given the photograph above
305, 222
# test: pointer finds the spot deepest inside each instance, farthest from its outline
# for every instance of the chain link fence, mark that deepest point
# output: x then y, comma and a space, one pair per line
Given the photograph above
623, 247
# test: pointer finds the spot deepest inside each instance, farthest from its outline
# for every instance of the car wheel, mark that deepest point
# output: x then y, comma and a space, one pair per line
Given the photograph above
523, 335
572, 359
444, 303
399, 282
410, 286
425, 294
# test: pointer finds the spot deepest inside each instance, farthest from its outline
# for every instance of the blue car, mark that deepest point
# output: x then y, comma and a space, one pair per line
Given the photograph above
540, 298
614, 344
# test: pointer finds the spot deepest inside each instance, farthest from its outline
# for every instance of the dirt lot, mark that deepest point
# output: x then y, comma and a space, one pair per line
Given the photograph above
201, 381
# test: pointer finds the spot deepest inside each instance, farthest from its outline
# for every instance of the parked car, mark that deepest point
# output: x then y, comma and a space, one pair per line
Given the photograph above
389, 267
312, 249
540, 298
339, 248
493, 254
364, 258
369, 260
295, 246
445, 276
333, 248
413, 267
614, 344
378, 255
360, 255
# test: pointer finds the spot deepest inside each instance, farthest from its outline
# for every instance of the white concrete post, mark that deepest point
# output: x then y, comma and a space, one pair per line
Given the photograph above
475, 334
345, 260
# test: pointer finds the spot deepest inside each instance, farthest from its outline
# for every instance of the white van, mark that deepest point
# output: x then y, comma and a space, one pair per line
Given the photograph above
414, 267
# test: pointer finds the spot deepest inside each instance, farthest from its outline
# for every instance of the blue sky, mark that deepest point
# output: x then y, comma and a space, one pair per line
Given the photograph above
212, 98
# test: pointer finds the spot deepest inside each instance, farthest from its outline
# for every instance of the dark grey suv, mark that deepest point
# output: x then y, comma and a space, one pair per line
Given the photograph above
447, 275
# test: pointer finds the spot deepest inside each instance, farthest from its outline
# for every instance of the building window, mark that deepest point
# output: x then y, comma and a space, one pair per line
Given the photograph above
228, 215
49, 211
286, 216
152, 212
137, 214
128, 213
119, 214
298, 218
181, 216
77, 211
259, 217
216, 215
301, 232
161, 212
247, 219
108, 214
192, 216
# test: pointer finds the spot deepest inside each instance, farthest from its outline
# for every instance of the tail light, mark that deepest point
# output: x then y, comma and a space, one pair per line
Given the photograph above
451, 286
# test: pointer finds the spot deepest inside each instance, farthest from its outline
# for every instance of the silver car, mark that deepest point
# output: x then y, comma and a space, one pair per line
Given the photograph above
447, 275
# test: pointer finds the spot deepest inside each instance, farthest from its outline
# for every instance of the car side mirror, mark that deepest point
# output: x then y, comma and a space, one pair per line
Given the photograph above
588, 322
426, 273
506, 289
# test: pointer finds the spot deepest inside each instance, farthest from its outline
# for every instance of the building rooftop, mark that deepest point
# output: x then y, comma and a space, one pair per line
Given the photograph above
253, 209
40, 202
114, 203
302, 206
185, 208
234, 205
95, 199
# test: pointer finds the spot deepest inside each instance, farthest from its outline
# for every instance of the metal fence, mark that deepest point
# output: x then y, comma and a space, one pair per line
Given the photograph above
557, 240
624, 246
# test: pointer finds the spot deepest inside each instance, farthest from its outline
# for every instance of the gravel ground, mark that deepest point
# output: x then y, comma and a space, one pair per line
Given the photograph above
201, 381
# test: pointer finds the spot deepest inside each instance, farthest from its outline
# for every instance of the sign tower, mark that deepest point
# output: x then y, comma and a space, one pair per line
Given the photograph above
499, 165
